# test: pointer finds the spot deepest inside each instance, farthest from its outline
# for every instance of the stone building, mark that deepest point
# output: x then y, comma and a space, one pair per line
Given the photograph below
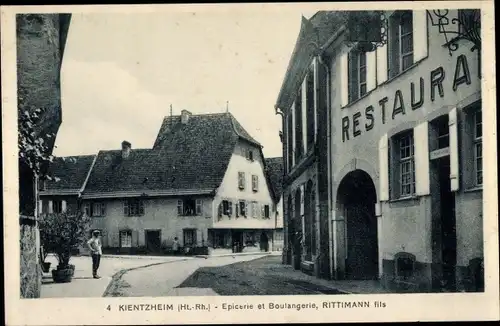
40, 43
404, 166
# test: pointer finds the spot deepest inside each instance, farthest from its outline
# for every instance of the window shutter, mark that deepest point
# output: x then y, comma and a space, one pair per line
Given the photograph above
141, 207
135, 238
237, 209
63, 206
394, 47
371, 70
263, 211
381, 54
301, 200
51, 208
103, 209
353, 80
343, 78
125, 208
230, 208
383, 154
454, 172
199, 206
220, 210
420, 40
40, 206
245, 209
422, 177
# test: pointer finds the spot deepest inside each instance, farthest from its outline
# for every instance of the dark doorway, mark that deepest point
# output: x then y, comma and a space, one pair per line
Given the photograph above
153, 241
264, 242
448, 224
357, 198
237, 240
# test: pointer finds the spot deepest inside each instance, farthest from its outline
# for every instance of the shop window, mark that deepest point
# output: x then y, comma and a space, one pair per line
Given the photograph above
133, 207
400, 42
403, 162
357, 86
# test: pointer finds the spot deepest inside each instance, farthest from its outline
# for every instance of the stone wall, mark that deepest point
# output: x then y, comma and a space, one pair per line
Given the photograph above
30, 270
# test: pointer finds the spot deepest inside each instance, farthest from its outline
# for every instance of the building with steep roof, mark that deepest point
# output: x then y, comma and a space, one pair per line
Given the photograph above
203, 182
274, 171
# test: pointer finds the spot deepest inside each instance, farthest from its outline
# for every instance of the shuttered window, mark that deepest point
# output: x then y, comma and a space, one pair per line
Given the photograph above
241, 180
57, 206
404, 151
133, 207
243, 208
400, 42
255, 183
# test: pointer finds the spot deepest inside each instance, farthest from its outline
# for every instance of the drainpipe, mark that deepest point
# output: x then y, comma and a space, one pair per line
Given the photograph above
278, 111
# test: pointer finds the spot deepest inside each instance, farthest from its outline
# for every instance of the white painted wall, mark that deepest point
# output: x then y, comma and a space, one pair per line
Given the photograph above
229, 190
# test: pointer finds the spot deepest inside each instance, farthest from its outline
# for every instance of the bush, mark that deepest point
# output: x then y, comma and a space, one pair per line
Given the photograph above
63, 233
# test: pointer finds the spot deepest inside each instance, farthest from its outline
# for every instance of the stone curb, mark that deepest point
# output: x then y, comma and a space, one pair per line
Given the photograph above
113, 284
237, 254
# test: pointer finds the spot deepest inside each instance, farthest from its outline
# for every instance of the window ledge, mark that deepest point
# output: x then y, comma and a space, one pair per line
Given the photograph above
473, 189
403, 199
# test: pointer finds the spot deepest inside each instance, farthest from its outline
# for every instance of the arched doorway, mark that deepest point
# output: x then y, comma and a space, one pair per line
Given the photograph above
356, 198
297, 230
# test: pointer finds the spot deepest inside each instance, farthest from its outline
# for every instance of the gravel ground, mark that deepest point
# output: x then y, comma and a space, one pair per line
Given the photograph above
264, 276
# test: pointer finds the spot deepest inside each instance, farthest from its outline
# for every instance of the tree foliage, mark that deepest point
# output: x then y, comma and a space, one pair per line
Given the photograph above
61, 233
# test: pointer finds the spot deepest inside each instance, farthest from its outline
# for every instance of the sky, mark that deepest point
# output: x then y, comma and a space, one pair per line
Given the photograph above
121, 72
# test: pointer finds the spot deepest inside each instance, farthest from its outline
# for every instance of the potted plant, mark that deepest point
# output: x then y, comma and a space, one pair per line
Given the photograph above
60, 234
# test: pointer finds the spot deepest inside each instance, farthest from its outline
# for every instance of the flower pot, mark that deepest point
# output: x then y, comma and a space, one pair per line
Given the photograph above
46, 267
62, 275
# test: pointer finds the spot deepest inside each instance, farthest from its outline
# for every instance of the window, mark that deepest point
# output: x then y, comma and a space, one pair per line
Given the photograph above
255, 209
406, 164
189, 207
243, 208
478, 147
126, 239
95, 209
357, 74
310, 107
443, 132
289, 142
133, 207
57, 206
250, 155
241, 180
189, 237
255, 183
400, 42
226, 207
267, 213
298, 126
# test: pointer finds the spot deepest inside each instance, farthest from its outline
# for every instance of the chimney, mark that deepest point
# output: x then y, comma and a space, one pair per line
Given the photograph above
185, 114
126, 147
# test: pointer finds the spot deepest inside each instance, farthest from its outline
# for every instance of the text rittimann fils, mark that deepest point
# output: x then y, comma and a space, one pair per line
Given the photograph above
250, 306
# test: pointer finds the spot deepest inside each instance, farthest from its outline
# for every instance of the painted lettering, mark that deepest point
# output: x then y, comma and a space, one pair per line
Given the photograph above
369, 117
345, 129
355, 124
462, 67
382, 106
399, 104
437, 77
417, 105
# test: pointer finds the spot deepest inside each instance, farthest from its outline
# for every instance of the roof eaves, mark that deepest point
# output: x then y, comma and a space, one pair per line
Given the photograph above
147, 193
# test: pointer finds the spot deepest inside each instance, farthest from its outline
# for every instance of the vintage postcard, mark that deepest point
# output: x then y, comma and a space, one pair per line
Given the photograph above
250, 163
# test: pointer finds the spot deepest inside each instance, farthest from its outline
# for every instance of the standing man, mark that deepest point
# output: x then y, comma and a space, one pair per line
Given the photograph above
95, 247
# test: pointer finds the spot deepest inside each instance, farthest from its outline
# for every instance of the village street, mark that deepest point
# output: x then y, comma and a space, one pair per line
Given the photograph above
231, 275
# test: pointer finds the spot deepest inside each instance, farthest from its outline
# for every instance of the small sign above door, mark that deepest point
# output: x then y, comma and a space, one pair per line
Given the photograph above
440, 153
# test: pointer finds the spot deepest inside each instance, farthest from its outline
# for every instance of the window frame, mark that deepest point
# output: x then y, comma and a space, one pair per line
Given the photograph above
396, 25
478, 144
241, 180
128, 235
255, 183
408, 161
59, 206
243, 208
136, 204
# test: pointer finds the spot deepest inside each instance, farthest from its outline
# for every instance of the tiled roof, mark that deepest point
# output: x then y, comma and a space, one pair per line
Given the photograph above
274, 171
192, 156
71, 171
314, 33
